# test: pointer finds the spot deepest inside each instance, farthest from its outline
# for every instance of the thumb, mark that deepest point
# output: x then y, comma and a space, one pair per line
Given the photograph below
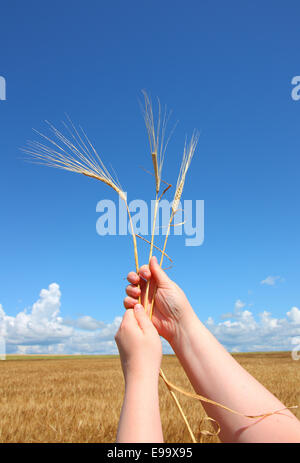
160, 277
142, 318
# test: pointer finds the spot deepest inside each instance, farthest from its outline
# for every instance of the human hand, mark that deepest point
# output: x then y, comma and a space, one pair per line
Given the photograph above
139, 345
171, 309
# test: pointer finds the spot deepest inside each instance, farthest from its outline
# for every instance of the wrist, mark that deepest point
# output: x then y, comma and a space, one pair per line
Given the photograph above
185, 329
142, 380
146, 386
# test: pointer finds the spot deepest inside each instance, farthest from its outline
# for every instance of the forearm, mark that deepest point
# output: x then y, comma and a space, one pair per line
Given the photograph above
215, 374
140, 416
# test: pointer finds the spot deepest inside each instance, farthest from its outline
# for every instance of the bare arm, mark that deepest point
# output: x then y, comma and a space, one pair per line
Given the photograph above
140, 352
213, 372
140, 418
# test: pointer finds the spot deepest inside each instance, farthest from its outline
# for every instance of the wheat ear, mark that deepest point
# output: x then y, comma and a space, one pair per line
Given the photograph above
156, 135
188, 153
76, 154
187, 157
158, 143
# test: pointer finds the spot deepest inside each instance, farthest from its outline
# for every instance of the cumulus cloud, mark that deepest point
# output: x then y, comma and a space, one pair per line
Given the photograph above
42, 329
238, 305
294, 315
85, 323
244, 333
270, 280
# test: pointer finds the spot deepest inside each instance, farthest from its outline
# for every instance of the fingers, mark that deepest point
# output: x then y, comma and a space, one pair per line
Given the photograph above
129, 302
145, 272
136, 294
142, 318
128, 317
133, 291
135, 317
160, 277
133, 278
127, 320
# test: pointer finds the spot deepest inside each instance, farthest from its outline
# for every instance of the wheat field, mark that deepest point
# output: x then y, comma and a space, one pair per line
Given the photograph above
79, 398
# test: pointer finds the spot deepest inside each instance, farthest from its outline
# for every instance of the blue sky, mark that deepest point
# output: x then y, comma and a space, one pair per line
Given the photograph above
224, 68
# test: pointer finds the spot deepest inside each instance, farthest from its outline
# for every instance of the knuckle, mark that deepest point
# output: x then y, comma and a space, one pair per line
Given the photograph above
144, 268
127, 302
132, 276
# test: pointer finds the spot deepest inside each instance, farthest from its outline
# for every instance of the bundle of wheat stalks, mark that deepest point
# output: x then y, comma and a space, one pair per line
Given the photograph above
75, 152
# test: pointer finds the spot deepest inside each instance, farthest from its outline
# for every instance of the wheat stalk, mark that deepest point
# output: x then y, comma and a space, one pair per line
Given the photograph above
188, 153
156, 247
79, 155
156, 129
156, 135
170, 387
76, 154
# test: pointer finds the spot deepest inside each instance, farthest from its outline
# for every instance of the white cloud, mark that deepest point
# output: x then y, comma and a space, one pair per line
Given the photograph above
294, 315
267, 321
239, 305
85, 323
244, 333
270, 281
42, 329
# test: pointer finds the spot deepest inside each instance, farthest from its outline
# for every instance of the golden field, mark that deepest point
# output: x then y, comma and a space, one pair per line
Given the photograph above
78, 398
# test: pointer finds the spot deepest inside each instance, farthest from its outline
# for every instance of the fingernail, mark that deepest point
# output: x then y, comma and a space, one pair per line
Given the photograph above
145, 273
138, 307
155, 258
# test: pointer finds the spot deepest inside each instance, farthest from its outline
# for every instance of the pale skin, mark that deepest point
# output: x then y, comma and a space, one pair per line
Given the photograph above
140, 352
212, 371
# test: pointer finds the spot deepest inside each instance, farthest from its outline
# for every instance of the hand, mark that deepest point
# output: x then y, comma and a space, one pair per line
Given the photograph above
139, 345
171, 308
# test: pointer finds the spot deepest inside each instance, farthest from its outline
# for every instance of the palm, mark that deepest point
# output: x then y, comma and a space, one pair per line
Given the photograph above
166, 312
170, 301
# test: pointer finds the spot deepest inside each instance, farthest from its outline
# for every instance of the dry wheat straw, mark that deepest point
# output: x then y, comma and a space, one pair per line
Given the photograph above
79, 155
187, 158
188, 154
156, 247
177, 403
76, 154
157, 135
209, 401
